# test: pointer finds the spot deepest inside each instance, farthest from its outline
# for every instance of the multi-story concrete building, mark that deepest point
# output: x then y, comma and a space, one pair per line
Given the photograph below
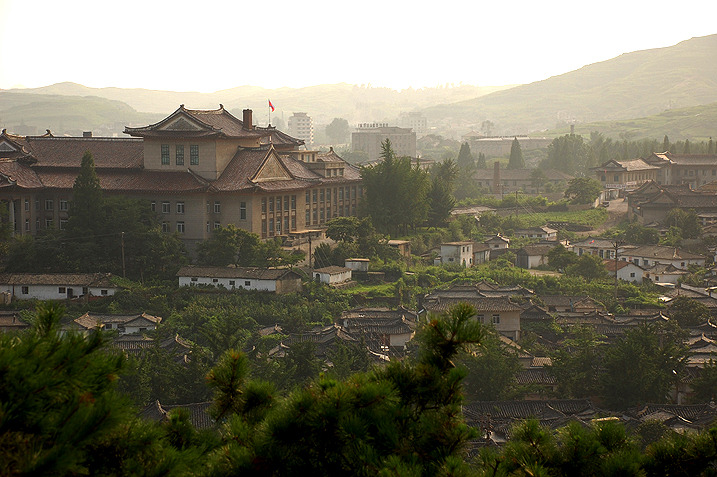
416, 121
301, 126
369, 136
198, 169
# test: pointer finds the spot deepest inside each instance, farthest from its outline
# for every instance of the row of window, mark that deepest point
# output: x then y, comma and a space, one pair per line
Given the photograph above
49, 223
166, 208
49, 204
232, 283
494, 318
180, 227
324, 195
179, 154
275, 203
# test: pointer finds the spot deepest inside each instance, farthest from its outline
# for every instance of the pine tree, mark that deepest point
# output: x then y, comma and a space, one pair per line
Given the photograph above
465, 157
686, 149
666, 144
516, 156
87, 200
710, 147
481, 161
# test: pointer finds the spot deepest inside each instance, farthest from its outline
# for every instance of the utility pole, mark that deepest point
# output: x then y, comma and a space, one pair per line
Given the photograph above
124, 269
617, 243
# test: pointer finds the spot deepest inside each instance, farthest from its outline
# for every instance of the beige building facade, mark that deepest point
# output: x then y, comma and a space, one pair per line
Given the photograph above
198, 169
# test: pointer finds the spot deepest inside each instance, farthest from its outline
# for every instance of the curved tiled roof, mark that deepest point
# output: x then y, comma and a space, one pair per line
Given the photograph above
214, 122
14, 173
114, 153
140, 180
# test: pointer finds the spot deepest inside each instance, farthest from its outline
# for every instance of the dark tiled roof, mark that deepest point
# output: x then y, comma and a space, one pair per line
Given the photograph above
528, 409
662, 252
481, 304
18, 174
199, 414
135, 180
537, 249
113, 153
74, 279
92, 320
535, 376
236, 272
215, 122
332, 270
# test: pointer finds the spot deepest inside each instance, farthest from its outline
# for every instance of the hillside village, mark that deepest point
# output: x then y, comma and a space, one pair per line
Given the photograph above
261, 221
444, 281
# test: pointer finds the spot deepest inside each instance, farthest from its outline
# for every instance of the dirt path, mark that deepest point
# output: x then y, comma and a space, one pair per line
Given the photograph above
617, 212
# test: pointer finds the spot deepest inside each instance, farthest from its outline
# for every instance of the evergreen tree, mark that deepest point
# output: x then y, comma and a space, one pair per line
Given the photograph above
400, 419
395, 192
465, 160
686, 149
666, 144
710, 146
481, 161
516, 156
85, 214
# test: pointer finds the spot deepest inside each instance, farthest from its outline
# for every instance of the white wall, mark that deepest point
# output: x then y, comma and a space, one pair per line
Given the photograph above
51, 292
253, 283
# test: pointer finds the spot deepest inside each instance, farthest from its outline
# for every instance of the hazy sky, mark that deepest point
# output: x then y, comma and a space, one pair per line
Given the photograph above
212, 45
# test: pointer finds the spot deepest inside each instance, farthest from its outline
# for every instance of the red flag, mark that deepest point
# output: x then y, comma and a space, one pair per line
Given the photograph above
271, 106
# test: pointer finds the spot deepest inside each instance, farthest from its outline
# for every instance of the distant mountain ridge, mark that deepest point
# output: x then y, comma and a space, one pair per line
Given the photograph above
323, 102
640, 84
637, 84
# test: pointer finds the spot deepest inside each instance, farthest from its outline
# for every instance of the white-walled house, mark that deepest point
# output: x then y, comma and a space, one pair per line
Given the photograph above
460, 253
498, 242
650, 255
56, 286
357, 264
277, 280
627, 271
332, 275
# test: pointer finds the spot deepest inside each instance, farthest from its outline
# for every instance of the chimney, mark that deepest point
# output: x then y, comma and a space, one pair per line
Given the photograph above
87, 134
247, 119
496, 177
572, 130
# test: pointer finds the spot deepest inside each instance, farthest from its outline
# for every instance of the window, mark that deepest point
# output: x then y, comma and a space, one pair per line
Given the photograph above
63, 224
194, 279
165, 154
208, 226
61, 290
166, 208
180, 207
481, 318
37, 205
286, 202
27, 225
49, 204
496, 319
271, 204
632, 275
217, 225
27, 203
108, 326
215, 280
293, 202
315, 195
217, 207
247, 283
179, 154
103, 292
263, 205
232, 283
25, 290
165, 227
63, 205
48, 223
194, 155
180, 227
242, 210
153, 206
308, 197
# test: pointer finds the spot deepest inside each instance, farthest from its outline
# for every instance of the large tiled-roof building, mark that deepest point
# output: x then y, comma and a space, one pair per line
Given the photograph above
199, 169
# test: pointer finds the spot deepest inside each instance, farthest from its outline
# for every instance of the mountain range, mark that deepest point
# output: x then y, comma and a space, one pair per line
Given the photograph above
660, 86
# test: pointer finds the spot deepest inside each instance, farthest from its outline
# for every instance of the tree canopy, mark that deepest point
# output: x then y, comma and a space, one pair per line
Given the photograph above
516, 156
